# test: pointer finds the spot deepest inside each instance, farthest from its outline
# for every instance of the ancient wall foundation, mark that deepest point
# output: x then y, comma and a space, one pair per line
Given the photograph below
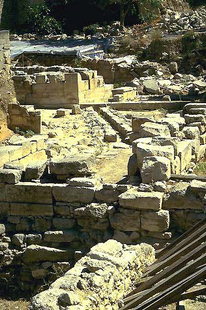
99, 280
60, 89
24, 118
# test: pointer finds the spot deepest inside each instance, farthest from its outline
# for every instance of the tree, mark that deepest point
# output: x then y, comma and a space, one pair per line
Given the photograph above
124, 7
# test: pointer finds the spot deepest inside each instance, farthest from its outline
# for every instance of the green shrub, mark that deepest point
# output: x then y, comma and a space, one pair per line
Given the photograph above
91, 29
40, 21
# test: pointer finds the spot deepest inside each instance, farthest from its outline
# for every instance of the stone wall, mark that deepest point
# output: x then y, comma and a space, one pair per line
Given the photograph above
6, 84
24, 119
53, 214
99, 280
60, 89
20, 153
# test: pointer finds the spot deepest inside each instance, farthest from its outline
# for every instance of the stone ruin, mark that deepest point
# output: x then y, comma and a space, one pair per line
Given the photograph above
62, 228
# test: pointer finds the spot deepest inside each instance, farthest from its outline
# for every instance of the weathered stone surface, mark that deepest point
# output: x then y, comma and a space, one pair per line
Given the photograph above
60, 236
2, 229
30, 192
66, 193
107, 195
151, 86
198, 186
191, 132
77, 167
132, 166
155, 168
149, 129
30, 209
63, 223
18, 239
82, 182
145, 150
185, 219
36, 253
180, 197
10, 176
137, 122
126, 220
93, 215
155, 221
117, 262
132, 199
35, 171
184, 152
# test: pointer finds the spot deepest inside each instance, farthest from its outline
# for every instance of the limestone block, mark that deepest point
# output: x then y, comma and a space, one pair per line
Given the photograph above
107, 195
155, 221
197, 111
30, 209
63, 223
181, 197
151, 86
184, 151
185, 219
132, 166
173, 126
93, 215
40, 142
192, 118
60, 112
66, 193
15, 152
4, 156
76, 109
110, 136
30, 192
132, 199
34, 171
140, 140
126, 220
198, 186
200, 153
37, 253
42, 224
4, 208
172, 141
59, 236
3, 193
191, 132
137, 122
18, 239
203, 139
149, 129
26, 149
77, 167
82, 182
155, 168
146, 150
176, 166
33, 239
10, 176
2, 229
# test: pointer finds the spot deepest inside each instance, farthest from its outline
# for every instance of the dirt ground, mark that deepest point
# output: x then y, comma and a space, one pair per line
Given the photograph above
13, 305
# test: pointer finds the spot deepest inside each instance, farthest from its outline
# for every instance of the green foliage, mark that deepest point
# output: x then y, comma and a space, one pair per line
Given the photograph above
40, 21
195, 3
149, 9
190, 42
26, 133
